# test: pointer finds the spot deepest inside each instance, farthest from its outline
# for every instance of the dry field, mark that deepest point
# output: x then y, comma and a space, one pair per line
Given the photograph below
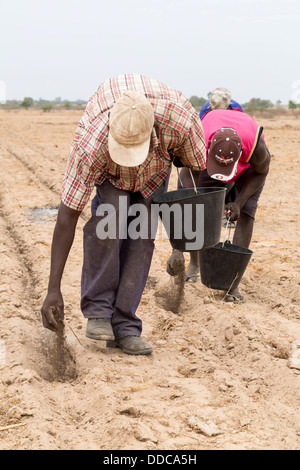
212, 361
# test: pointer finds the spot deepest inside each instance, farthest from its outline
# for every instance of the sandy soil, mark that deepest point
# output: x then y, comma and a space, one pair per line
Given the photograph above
212, 361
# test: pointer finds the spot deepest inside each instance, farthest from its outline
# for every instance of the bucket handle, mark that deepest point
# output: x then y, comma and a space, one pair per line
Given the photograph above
192, 178
191, 174
195, 187
180, 180
227, 229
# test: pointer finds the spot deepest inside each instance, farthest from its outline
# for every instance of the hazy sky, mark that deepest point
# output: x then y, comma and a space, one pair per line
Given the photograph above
66, 48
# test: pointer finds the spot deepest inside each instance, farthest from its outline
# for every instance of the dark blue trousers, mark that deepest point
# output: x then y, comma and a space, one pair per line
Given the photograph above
115, 271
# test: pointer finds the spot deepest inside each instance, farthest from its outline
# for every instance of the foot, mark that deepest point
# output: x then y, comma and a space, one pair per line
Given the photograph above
193, 268
100, 329
132, 345
191, 273
234, 296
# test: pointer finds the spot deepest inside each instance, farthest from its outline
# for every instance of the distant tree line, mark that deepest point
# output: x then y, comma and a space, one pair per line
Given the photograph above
255, 104
197, 102
44, 105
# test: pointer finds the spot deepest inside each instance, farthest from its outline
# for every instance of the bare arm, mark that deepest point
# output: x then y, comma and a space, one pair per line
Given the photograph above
259, 165
63, 236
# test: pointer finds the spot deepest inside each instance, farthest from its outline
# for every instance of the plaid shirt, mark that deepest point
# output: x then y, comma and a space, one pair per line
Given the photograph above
177, 132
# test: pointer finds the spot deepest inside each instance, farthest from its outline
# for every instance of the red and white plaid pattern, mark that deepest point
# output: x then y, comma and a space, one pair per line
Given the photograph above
177, 131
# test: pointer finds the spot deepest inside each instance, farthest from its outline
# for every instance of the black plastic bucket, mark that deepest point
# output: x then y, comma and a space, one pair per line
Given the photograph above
212, 200
222, 267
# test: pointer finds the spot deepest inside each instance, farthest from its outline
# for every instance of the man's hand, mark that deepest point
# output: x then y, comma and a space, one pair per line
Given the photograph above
53, 311
63, 236
232, 210
175, 263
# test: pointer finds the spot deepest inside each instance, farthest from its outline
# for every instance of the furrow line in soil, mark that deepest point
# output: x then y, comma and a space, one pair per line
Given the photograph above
50, 162
52, 360
41, 180
20, 250
33, 171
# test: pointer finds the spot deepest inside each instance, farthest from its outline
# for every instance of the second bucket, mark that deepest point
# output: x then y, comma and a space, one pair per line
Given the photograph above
222, 267
212, 200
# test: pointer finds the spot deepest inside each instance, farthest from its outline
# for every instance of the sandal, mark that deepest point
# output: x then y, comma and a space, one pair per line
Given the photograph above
192, 276
234, 298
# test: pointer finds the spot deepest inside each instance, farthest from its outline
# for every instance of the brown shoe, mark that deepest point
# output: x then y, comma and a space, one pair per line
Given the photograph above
131, 345
100, 329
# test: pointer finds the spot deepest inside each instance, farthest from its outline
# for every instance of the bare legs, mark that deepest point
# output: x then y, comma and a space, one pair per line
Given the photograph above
193, 267
242, 237
243, 232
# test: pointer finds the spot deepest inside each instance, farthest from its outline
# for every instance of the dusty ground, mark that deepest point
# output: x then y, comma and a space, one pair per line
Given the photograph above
212, 361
